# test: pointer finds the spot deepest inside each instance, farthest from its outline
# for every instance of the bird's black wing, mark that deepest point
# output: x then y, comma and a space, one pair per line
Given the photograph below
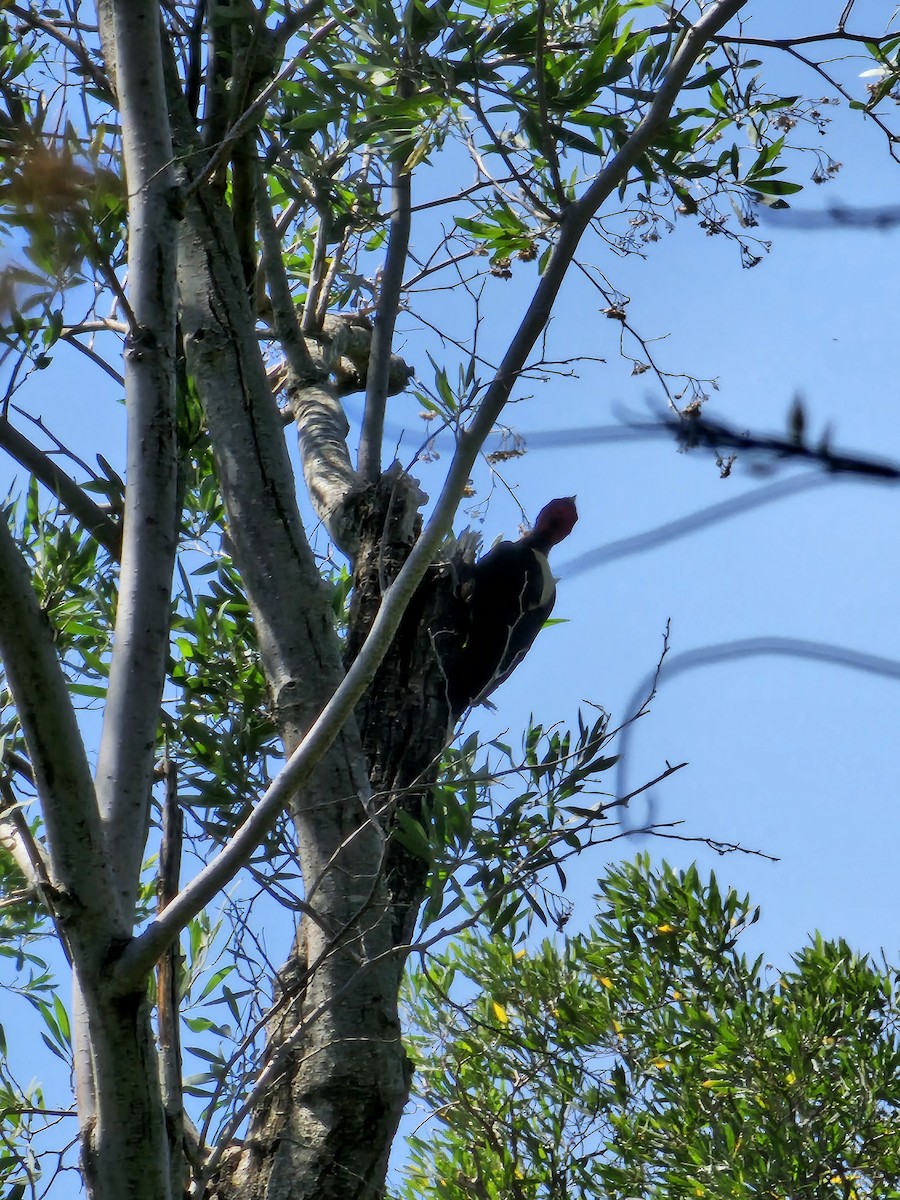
505, 616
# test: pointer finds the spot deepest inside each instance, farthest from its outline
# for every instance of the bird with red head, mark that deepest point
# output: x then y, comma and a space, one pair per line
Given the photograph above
508, 598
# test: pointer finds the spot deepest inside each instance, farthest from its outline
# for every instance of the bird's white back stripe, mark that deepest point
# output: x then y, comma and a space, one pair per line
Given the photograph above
548, 583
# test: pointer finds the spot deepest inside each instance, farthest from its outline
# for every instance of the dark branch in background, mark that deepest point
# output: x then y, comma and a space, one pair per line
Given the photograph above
640, 542
195, 59
696, 430
76, 501
758, 647
836, 215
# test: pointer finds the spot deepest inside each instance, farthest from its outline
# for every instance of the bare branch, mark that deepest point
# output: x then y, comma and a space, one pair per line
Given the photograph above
284, 314
61, 774
316, 292
758, 647
137, 671
76, 501
79, 52
378, 376
68, 335
698, 430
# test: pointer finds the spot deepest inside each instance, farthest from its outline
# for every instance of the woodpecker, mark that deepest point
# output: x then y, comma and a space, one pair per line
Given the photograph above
509, 596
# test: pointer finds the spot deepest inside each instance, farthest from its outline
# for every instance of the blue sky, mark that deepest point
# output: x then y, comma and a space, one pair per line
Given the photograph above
796, 759
799, 760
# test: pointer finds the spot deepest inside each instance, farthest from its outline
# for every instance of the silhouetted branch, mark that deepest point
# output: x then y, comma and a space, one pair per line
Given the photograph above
758, 647
682, 526
696, 430
881, 218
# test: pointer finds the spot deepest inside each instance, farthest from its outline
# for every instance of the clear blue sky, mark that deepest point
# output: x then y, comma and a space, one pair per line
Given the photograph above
796, 759
800, 760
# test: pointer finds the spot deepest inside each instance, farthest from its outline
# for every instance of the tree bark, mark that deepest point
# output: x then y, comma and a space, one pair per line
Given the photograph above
337, 1077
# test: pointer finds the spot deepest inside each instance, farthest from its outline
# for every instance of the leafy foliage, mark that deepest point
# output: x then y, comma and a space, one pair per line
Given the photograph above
648, 1057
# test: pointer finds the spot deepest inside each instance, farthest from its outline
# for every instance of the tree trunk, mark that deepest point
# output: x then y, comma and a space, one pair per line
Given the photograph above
339, 1076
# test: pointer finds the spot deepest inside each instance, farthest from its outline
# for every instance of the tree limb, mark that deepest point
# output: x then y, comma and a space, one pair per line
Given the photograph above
697, 430
756, 647
322, 424
141, 642
77, 864
76, 501
377, 378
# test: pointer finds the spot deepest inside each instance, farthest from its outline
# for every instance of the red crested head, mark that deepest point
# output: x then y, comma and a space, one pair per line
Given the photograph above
555, 521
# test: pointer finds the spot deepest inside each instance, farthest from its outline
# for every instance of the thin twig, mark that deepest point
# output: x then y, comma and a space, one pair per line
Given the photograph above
378, 374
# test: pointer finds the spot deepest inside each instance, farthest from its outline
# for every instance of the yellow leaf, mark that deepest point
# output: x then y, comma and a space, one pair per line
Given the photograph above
419, 153
500, 1013
677, 995
790, 1077
617, 1027
660, 1063
665, 928
607, 983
